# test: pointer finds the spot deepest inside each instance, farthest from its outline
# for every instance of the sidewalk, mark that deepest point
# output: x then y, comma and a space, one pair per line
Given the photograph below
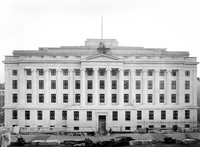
62, 138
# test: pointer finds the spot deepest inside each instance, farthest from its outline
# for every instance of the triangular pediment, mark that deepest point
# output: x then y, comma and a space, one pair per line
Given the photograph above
102, 57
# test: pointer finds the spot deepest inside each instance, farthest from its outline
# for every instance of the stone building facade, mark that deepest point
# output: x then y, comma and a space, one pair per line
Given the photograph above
100, 86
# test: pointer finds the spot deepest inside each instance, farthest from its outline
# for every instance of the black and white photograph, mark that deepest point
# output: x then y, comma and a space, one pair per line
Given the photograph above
100, 73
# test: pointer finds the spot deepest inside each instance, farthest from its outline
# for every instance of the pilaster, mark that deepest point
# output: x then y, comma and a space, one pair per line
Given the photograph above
144, 87
108, 86
71, 86
121, 86
83, 94
47, 86
132, 98
96, 93
156, 87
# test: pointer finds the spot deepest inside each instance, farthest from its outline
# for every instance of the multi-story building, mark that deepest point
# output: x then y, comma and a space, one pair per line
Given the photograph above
2, 95
198, 99
100, 86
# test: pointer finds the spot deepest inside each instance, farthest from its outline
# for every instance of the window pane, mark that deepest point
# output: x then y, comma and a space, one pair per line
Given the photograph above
41, 98
126, 84
53, 98
115, 116
65, 84
65, 98
64, 115
89, 115
77, 98
127, 115
102, 98
29, 84
138, 98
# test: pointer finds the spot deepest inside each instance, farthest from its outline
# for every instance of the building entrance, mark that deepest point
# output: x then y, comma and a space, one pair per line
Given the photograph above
102, 124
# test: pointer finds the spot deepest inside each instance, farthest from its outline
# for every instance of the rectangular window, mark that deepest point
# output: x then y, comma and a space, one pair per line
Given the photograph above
53, 72
150, 98
53, 98
114, 98
175, 114
89, 72
77, 98
163, 114
77, 84
28, 72
41, 84
162, 98
126, 98
114, 115
89, 98
173, 98
138, 72
101, 84
114, 72
162, 84
29, 84
173, 84
65, 84
127, 115
76, 115
126, 84
162, 72
127, 128
187, 73
14, 98
139, 115
187, 114
126, 72
102, 98
150, 72
138, 84
77, 72
14, 84
52, 115
89, 84
89, 115
64, 115
65, 98
150, 84
114, 84
187, 98
39, 114
14, 72
27, 115
29, 98
187, 84
53, 84
138, 98
151, 115
41, 72
102, 72
14, 114
65, 72
173, 73
41, 98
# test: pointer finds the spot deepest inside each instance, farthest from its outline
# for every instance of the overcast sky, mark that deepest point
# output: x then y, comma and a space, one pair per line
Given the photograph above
30, 24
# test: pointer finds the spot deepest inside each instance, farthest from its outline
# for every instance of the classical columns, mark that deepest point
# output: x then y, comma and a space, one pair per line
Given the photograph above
121, 86
168, 80
144, 87
47, 86
96, 93
108, 86
21, 86
156, 87
71, 86
193, 88
34, 87
59, 87
83, 94
132, 97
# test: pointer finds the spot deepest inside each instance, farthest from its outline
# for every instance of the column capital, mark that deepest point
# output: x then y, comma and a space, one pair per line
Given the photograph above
120, 69
95, 69
34, 70
46, 70
168, 70
58, 70
144, 70
156, 70
83, 69
108, 69
132, 70
71, 69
